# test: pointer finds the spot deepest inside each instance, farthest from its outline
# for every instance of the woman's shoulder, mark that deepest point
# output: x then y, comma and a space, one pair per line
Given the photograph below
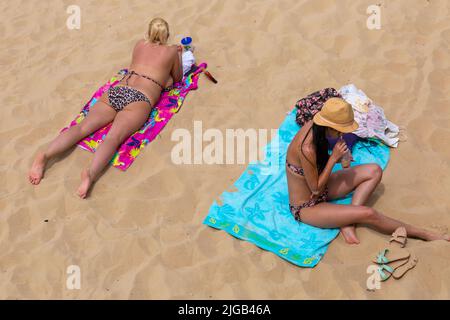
144, 46
140, 42
304, 132
161, 46
305, 144
138, 45
304, 139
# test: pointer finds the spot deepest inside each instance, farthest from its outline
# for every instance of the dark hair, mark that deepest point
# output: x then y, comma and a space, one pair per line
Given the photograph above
321, 145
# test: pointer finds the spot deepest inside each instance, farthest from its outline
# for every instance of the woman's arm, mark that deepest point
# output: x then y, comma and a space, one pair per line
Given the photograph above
316, 182
308, 159
177, 67
324, 176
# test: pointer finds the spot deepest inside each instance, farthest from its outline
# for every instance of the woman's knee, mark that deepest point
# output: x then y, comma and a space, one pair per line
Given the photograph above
114, 139
84, 129
368, 215
375, 172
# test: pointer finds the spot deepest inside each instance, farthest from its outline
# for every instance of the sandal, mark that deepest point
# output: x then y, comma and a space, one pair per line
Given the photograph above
402, 270
390, 269
399, 236
394, 255
382, 274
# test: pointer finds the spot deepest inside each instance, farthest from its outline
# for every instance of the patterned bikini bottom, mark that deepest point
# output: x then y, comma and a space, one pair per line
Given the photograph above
296, 210
121, 96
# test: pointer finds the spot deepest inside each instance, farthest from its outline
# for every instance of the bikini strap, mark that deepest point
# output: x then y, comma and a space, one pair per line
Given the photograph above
144, 76
294, 169
129, 75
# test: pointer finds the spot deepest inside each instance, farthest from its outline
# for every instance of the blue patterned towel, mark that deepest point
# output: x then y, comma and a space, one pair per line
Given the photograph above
258, 211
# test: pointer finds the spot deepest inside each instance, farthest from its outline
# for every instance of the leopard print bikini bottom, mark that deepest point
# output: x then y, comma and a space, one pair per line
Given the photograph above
121, 96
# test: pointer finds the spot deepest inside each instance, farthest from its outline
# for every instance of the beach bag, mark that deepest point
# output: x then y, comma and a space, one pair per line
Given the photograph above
313, 103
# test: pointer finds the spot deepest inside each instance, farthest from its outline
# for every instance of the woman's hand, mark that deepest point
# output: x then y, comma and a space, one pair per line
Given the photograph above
339, 150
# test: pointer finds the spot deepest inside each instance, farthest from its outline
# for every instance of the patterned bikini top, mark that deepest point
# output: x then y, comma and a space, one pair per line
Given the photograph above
294, 169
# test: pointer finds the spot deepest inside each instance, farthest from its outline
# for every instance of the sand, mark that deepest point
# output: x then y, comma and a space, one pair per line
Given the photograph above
140, 233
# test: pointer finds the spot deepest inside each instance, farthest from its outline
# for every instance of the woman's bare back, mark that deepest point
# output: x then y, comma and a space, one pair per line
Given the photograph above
299, 191
155, 61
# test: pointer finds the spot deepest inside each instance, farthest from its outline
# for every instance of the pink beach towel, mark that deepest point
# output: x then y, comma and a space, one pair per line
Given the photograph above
169, 103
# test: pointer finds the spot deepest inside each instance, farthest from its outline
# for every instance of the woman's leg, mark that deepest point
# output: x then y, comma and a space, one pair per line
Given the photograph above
363, 180
126, 122
100, 115
329, 215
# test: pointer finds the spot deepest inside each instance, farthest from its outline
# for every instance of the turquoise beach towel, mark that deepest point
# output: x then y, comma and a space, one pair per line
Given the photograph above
258, 211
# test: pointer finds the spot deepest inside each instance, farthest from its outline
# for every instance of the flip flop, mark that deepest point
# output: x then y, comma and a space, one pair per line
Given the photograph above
402, 270
383, 275
399, 236
390, 269
393, 255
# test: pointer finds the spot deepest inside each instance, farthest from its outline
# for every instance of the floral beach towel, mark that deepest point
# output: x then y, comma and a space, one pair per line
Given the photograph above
169, 103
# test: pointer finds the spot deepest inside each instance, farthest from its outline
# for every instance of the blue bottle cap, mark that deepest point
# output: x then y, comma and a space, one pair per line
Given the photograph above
186, 41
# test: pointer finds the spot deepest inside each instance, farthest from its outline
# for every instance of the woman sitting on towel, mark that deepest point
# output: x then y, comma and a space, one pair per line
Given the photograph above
311, 183
154, 66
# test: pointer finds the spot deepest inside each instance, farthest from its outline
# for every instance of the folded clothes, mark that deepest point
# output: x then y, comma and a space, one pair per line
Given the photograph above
370, 117
169, 103
258, 210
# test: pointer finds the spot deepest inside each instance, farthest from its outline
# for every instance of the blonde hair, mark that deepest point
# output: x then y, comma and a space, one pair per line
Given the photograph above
158, 31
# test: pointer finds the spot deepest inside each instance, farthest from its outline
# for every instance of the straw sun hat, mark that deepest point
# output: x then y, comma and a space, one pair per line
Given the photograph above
336, 114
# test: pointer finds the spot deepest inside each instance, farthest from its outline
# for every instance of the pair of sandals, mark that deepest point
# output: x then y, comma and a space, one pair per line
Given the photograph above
395, 262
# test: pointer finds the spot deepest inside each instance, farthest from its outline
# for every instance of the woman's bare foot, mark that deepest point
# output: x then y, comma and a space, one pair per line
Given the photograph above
36, 172
349, 234
433, 236
86, 182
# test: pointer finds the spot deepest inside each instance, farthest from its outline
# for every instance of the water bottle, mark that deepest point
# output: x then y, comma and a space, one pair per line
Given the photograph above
346, 158
187, 44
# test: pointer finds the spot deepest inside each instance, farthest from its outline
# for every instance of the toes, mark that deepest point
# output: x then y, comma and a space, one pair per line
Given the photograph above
81, 193
353, 241
34, 178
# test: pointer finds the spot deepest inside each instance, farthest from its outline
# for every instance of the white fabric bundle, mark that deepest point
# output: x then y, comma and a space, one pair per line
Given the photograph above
370, 117
188, 60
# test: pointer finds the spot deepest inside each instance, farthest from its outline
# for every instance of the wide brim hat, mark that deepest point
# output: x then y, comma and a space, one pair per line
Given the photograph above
338, 114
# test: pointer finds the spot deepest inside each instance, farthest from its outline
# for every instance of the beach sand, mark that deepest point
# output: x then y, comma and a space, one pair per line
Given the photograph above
140, 233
